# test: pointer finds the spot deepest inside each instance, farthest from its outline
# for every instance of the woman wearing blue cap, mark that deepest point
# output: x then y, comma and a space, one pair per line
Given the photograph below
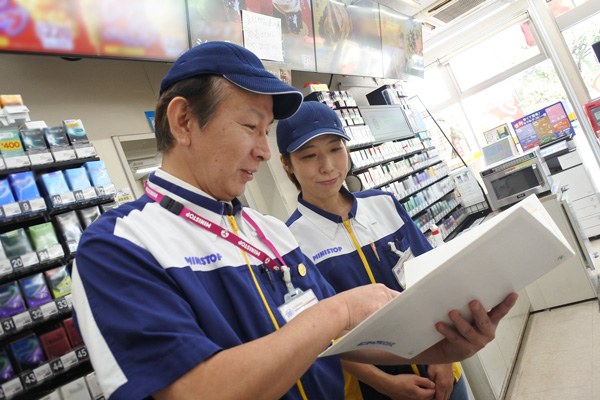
185, 294
355, 239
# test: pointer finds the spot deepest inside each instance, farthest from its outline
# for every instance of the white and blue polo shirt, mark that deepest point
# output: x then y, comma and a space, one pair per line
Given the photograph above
375, 220
155, 295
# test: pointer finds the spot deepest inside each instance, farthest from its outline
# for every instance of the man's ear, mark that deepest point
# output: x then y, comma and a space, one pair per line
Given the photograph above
181, 120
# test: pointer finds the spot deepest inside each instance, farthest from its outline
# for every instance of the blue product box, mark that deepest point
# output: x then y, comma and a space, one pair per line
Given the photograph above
56, 136
6, 195
75, 131
35, 290
11, 301
6, 369
27, 352
54, 183
23, 185
33, 139
77, 178
97, 173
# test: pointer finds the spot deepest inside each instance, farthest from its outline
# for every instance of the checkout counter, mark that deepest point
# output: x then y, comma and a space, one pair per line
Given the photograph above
488, 372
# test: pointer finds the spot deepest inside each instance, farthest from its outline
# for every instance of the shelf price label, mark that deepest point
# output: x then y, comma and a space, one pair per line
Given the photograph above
85, 194
34, 205
86, 151
40, 157
17, 162
21, 320
49, 309
11, 210
70, 359
12, 388
24, 261
51, 253
5, 267
64, 154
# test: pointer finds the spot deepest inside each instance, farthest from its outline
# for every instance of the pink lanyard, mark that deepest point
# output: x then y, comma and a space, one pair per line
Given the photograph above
178, 209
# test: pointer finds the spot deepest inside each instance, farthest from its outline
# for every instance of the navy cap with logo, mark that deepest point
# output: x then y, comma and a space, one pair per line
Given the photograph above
312, 119
239, 66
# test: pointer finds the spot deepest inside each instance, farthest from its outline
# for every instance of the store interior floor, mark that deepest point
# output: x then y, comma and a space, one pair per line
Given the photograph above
560, 355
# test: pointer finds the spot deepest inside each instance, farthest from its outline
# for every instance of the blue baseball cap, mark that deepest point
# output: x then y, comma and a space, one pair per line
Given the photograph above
312, 119
239, 66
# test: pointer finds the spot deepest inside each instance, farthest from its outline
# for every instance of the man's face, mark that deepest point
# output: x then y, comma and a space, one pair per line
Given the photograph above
225, 155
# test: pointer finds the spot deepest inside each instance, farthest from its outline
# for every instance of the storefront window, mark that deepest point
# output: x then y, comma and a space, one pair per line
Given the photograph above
580, 38
432, 90
494, 56
559, 7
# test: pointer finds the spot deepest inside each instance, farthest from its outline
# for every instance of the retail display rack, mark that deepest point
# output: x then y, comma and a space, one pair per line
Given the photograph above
47, 199
408, 167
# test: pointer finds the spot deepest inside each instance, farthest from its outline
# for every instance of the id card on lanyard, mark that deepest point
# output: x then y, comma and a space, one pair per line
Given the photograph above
295, 300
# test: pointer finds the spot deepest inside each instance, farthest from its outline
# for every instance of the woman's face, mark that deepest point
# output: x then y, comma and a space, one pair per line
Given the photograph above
320, 166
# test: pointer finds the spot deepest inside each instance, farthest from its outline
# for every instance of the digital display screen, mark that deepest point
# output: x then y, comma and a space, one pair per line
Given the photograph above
348, 37
386, 122
515, 183
137, 29
212, 20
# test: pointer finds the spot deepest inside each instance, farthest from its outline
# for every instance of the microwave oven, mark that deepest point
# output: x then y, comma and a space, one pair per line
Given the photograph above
515, 178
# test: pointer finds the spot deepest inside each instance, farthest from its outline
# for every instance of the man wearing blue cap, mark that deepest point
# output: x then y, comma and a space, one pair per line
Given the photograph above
184, 294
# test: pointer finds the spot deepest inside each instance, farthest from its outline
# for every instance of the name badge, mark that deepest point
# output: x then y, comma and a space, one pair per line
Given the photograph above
294, 306
399, 267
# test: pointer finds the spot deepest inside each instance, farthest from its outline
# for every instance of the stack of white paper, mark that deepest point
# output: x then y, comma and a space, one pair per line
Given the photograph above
487, 263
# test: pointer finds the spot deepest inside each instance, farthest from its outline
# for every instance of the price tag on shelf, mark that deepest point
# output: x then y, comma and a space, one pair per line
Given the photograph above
2, 164
87, 151
49, 309
51, 253
5, 267
17, 162
42, 372
62, 199
69, 360
22, 320
30, 259
69, 299
64, 154
11, 209
12, 388
85, 194
41, 158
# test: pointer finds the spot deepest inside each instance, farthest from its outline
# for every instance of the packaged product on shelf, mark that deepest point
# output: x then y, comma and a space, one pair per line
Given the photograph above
27, 352
56, 188
70, 229
10, 100
16, 243
26, 192
73, 335
59, 143
35, 146
45, 242
79, 183
88, 215
6, 194
75, 390
35, 290
55, 343
59, 281
11, 149
6, 369
11, 300
99, 177
23, 185
56, 136
75, 131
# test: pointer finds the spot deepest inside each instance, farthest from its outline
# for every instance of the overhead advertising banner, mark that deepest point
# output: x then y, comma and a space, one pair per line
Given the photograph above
141, 29
348, 37
212, 20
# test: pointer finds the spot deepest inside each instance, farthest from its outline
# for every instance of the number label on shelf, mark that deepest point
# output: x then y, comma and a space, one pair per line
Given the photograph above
36, 314
57, 366
42, 372
81, 354
29, 379
62, 304
87, 151
16, 162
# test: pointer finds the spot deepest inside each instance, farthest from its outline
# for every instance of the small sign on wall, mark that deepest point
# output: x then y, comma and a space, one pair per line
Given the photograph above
262, 35
150, 116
